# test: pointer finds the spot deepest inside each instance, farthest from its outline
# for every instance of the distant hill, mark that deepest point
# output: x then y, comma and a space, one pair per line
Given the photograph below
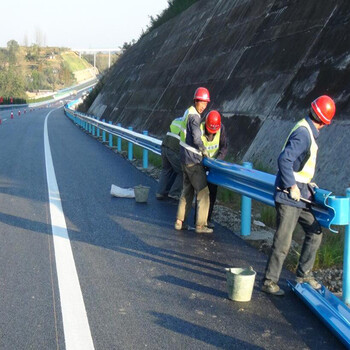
33, 72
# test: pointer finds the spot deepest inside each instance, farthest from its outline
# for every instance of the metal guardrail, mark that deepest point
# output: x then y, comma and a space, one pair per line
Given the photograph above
253, 184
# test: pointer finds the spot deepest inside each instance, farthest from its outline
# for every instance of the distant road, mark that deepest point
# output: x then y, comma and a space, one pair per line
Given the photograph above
80, 269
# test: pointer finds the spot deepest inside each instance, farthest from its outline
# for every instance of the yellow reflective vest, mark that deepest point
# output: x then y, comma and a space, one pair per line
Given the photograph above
211, 146
306, 174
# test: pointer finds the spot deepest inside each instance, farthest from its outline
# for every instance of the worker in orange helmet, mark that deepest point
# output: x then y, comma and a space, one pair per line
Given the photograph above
192, 151
215, 141
296, 168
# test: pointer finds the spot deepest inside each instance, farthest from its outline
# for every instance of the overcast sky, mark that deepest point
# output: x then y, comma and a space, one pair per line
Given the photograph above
76, 23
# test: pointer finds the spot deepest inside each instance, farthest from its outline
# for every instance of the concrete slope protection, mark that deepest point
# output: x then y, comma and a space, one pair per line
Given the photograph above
143, 283
264, 62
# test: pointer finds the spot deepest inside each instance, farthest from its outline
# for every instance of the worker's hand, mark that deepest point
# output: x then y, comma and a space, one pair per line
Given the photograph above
205, 153
294, 193
313, 184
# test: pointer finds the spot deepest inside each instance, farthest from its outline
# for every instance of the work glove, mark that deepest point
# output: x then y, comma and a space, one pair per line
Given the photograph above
294, 193
205, 153
313, 184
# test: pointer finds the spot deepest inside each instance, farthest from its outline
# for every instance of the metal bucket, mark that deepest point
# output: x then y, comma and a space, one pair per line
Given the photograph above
141, 193
240, 283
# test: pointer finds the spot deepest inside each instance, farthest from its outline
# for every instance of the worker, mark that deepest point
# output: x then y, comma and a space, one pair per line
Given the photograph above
296, 168
170, 181
192, 151
215, 141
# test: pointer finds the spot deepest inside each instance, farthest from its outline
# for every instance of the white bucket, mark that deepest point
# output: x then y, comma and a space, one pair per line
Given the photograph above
141, 193
240, 283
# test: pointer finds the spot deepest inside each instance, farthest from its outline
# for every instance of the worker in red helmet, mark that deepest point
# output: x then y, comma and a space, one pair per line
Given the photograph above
192, 151
296, 168
215, 141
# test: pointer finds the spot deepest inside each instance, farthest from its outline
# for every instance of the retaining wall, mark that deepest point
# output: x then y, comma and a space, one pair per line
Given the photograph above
263, 62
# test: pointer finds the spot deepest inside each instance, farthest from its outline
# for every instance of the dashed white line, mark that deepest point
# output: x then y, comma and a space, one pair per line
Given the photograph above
76, 327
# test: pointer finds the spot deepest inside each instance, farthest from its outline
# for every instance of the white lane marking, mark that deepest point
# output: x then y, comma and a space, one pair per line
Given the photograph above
75, 322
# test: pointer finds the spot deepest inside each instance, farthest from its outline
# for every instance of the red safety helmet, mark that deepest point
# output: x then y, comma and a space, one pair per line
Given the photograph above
323, 109
213, 122
202, 94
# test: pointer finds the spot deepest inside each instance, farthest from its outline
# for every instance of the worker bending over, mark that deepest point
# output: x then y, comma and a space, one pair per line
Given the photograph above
192, 151
296, 168
170, 181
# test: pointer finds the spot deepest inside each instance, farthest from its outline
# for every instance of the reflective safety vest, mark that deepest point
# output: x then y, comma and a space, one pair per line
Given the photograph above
307, 172
178, 125
176, 128
191, 110
211, 146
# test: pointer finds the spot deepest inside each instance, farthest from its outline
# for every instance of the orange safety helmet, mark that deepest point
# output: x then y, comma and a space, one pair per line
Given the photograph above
213, 122
202, 94
323, 109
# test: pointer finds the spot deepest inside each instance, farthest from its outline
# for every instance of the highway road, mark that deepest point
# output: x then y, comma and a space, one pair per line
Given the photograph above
80, 269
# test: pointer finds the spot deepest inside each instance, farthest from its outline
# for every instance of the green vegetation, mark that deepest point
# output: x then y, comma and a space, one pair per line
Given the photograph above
73, 62
153, 158
90, 98
30, 71
174, 8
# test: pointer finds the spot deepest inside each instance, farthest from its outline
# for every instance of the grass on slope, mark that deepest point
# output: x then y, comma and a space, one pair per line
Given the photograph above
74, 62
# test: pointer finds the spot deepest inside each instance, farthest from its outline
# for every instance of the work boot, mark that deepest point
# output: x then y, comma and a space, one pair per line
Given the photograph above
179, 225
271, 287
210, 224
309, 280
203, 229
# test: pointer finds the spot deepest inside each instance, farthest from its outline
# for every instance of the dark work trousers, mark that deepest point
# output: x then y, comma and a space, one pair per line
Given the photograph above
213, 190
171, 178
287, 219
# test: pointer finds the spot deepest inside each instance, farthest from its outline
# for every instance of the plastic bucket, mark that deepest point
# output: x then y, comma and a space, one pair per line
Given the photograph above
141, 193
240, 283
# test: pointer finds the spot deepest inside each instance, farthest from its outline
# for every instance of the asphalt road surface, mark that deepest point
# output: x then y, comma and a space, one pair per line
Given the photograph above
80, 269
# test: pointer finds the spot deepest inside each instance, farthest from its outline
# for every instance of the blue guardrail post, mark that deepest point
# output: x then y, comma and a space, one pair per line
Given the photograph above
103, 133
119, 141
346, 260
246, 209
98, 131
130, 147
110, 137
145, 154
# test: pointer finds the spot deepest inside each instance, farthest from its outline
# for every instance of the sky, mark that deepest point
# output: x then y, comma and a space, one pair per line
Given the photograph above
79, 24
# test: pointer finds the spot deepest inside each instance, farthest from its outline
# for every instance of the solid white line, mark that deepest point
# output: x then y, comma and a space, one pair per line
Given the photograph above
75, 322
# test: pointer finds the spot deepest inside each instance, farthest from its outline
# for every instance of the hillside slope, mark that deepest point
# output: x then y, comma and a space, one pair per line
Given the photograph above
263, 62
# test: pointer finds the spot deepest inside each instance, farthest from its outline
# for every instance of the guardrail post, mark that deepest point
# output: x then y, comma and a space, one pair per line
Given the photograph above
103, 133
119, 141
246, 209
93, 130
110, 137
346, 260
130, 147
98, 131
145, 154
90, 128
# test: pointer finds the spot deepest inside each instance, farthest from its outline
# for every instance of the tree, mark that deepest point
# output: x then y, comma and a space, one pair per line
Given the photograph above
12, 48
12, 83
